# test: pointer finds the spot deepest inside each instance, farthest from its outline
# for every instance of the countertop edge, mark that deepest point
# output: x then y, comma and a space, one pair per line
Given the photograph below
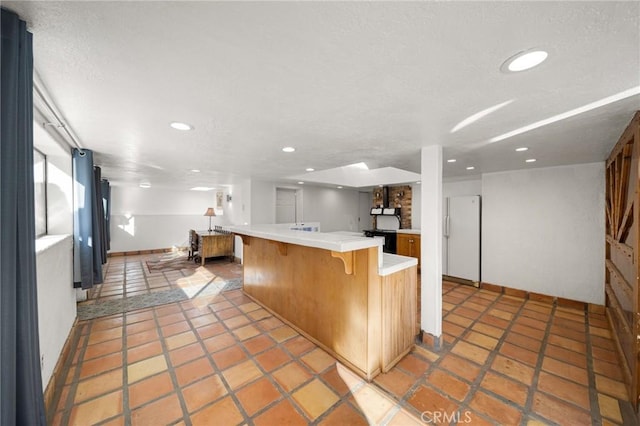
409, 231
392, 263
304, 238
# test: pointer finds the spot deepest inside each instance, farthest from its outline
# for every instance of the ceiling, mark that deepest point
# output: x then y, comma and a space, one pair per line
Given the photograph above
342, 82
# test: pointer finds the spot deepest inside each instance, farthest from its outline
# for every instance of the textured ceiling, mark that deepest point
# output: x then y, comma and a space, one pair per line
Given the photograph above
342, 82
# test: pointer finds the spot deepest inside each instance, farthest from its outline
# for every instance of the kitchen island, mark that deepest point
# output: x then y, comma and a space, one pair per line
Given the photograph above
340, 291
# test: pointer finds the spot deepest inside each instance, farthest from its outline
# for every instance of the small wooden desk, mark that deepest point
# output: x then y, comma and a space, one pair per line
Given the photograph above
214, 244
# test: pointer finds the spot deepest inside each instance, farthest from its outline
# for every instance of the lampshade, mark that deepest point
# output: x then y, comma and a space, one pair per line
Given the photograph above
210, 212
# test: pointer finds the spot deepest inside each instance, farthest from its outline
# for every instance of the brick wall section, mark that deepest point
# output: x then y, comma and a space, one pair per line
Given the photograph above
403, 201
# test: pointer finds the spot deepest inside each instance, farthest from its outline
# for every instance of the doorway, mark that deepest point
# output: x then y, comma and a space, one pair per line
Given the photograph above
286, 205
365, 202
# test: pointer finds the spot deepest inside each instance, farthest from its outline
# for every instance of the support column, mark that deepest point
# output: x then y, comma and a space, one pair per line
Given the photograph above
431, 245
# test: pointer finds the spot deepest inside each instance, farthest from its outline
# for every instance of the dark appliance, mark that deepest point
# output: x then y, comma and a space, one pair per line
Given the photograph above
389, 238
387, 222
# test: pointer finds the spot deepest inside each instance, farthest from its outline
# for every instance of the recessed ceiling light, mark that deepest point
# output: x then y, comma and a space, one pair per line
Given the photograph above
300, 183
451, 160
195, 171
524, 60
181, 126
145, 185
470, 168
380, 186
418, 182
530, 160
339, 187
522, 149
288, 149
310, 169
201, 188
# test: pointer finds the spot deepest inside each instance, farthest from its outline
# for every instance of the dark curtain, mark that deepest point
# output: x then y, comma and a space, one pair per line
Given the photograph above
21, 395
90, 225
106, 203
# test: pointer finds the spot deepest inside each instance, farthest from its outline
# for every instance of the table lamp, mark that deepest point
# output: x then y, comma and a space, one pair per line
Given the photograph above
210, 212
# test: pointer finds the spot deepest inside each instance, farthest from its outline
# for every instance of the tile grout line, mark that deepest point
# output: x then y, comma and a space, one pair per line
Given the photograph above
476, 385
538, 367
85, 330
229, 391
126, 408
285, 396
435, 365
596, 415
69, 405
170, 370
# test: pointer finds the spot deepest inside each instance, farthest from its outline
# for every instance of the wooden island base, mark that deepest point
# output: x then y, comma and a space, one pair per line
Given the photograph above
336, 299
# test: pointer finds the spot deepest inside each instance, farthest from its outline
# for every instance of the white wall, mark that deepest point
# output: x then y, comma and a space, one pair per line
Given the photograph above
238, 210
54, 262
416, 206
263, 202
335, 209
543, 231
461, 188
155, 218
56, 298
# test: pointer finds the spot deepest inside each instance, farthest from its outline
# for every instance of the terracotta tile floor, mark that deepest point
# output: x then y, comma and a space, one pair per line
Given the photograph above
220, 359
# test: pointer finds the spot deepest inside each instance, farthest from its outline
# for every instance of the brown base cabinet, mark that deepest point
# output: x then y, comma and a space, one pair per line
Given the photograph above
409, 245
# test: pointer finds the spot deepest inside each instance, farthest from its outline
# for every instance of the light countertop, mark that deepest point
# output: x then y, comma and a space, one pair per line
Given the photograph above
334, 241
409, 231
340, 241
393, 263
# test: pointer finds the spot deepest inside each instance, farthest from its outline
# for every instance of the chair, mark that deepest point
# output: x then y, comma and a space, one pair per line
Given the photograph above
193, 244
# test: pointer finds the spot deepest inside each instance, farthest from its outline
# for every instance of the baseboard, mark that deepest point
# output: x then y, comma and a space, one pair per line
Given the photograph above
153, 251
430, 341
463, 281
544, 298
57, 379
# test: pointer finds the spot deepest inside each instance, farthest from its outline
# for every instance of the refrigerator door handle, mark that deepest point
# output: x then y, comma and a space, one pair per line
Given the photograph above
446, 226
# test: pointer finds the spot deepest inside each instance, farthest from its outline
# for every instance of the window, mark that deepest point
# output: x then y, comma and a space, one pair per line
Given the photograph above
40, 191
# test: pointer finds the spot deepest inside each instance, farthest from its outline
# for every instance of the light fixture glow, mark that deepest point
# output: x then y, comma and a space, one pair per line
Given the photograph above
181, 126
588, 107
418, 182
145, 185
201, 188
470, 168
524, 60
451, 160
288, 149
195, 171
310, 169
477, 116
339, 187
522, 149
300, 183
360, 165
530, 160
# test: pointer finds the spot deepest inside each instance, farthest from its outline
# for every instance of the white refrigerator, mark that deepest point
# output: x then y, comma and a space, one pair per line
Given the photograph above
461, 238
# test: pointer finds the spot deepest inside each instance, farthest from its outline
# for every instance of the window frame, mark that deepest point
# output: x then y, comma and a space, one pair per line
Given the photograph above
38, 230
